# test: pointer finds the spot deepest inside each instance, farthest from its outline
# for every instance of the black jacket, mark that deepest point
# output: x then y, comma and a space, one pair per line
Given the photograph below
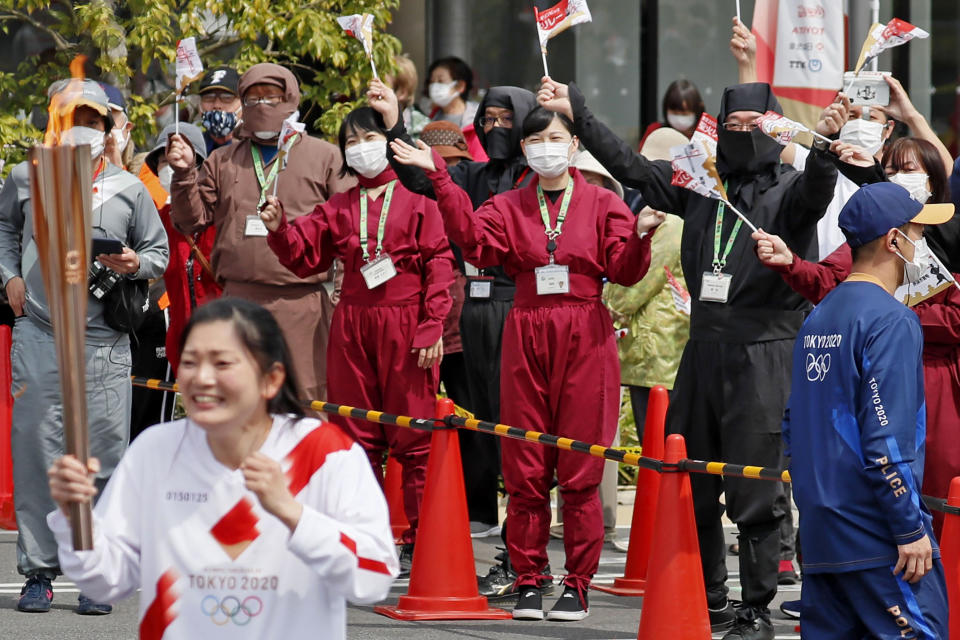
788, 203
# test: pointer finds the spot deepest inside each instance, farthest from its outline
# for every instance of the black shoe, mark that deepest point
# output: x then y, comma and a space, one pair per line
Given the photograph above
723, 617
87, 607
499, 582
751, 624
791, 609
36, 595
529, 604
406, 560
571, 606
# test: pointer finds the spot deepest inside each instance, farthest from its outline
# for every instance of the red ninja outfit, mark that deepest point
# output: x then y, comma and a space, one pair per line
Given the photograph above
375, 333
560, 373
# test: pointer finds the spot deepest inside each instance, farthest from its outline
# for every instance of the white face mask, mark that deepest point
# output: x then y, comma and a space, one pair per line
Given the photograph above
120, 137
367, 158
266, 135
680, 122
549, 159
863, 133
914, 269
442, 93
76, 136
915, 183
165, 175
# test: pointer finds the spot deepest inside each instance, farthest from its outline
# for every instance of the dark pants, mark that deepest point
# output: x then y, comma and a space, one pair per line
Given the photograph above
728, 402
148, 349
639, 399
481, 332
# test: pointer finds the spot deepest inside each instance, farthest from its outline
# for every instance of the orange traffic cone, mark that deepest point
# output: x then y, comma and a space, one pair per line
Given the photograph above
8, 517
950, 556
393, 489
443, 581
675, 605
634, 578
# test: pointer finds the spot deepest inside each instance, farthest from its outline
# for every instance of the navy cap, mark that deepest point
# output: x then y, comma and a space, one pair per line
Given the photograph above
114, 97
876, 208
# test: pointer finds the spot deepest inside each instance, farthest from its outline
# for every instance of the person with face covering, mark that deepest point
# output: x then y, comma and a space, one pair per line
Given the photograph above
489, 296
854, 428
557, 238
742, 325
386, 337
220, 108
121, 210
228, 191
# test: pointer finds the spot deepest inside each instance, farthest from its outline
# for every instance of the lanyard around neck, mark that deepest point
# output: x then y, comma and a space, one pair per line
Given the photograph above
381, 226
261, 179
720, 260
545, 213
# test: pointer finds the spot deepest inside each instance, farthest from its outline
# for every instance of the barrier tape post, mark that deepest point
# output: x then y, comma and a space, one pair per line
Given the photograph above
634, 579
8, 516
443, 582
950, 556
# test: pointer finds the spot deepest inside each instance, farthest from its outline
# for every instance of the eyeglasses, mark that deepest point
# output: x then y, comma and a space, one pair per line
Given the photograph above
213, 98
271, 100
504, 120
736, 126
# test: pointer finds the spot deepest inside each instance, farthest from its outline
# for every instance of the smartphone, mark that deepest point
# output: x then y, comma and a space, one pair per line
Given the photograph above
868, 89
108, 246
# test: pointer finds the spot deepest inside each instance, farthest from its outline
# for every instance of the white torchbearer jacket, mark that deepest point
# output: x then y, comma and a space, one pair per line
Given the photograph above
211, 563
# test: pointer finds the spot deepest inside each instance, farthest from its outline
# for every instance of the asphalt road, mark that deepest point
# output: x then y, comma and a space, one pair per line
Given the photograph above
610, 616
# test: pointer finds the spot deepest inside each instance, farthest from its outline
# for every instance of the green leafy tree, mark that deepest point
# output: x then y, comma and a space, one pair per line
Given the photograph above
132, 45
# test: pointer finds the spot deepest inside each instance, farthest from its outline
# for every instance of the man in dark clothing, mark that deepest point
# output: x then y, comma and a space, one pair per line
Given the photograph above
734, 376
489, 296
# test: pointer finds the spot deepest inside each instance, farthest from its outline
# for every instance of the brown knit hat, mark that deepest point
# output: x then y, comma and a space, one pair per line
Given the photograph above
447, 139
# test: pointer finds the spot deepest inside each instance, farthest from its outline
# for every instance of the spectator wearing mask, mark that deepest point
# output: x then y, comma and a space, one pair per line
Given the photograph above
386, 340
118, 147
122, 210
449, 82
227, 193
742, 325
404, 85
854, 429
220, 108
682, 107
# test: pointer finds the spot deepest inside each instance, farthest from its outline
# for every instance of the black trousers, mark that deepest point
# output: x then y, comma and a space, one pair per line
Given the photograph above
147, 348
481, 332
728, 403
639, 399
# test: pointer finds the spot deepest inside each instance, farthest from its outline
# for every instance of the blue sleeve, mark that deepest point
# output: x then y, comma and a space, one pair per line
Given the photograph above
890, 405
785, 430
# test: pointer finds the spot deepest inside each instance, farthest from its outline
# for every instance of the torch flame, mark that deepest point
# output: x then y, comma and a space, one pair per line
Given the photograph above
63, 103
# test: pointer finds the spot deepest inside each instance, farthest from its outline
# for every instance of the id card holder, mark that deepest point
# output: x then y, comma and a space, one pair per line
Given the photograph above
255, 228
715, 287
552, 279
378, 271
481, 288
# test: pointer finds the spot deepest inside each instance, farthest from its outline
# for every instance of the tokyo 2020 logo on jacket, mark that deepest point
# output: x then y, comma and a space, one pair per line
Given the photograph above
817, 367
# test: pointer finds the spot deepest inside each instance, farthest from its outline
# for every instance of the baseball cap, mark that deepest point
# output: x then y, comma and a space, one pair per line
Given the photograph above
876, 208
447, 139
220, 78
114, 97
75, 93
189, 131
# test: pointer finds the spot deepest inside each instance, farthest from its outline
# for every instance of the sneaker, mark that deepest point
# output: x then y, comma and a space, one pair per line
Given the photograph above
750, 625
499, 582
36, 595
723, 617
620, 545
571, 606
734, 549
529, 604
406, 560
786, 573
87, 607
791, 609
483, 530
556, 531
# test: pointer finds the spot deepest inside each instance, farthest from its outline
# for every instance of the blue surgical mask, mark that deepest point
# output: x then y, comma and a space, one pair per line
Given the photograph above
219, 124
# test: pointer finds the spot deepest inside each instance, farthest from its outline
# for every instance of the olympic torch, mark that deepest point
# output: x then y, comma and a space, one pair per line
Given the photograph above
60, 189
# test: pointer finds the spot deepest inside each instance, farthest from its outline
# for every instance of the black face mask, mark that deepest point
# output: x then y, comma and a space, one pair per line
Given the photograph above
498, 144
744, 153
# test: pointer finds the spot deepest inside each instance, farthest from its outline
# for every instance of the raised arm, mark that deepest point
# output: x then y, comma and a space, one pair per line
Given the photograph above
901, 109
384, 101
626, 240
303, 246
193, 193
812, 280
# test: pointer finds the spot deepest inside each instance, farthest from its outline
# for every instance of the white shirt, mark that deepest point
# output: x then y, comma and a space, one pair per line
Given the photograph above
211, 563
829, 235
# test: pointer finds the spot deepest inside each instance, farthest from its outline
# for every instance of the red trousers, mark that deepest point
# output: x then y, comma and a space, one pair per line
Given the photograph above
370, 366
560, 375
941, 373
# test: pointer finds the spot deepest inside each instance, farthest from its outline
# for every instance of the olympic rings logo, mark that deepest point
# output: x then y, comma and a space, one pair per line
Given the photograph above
231, 608
817, 367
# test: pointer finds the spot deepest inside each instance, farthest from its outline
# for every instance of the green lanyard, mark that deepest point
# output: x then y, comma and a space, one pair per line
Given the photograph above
381, 227
553, 234
720, 261
258, 168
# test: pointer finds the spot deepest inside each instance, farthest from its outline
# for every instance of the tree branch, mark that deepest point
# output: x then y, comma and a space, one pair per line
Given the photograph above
23, 16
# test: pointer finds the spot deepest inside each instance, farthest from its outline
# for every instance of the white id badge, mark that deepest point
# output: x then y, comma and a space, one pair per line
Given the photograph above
481, 288
378, 271
255, 228
715, 287
552, 279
